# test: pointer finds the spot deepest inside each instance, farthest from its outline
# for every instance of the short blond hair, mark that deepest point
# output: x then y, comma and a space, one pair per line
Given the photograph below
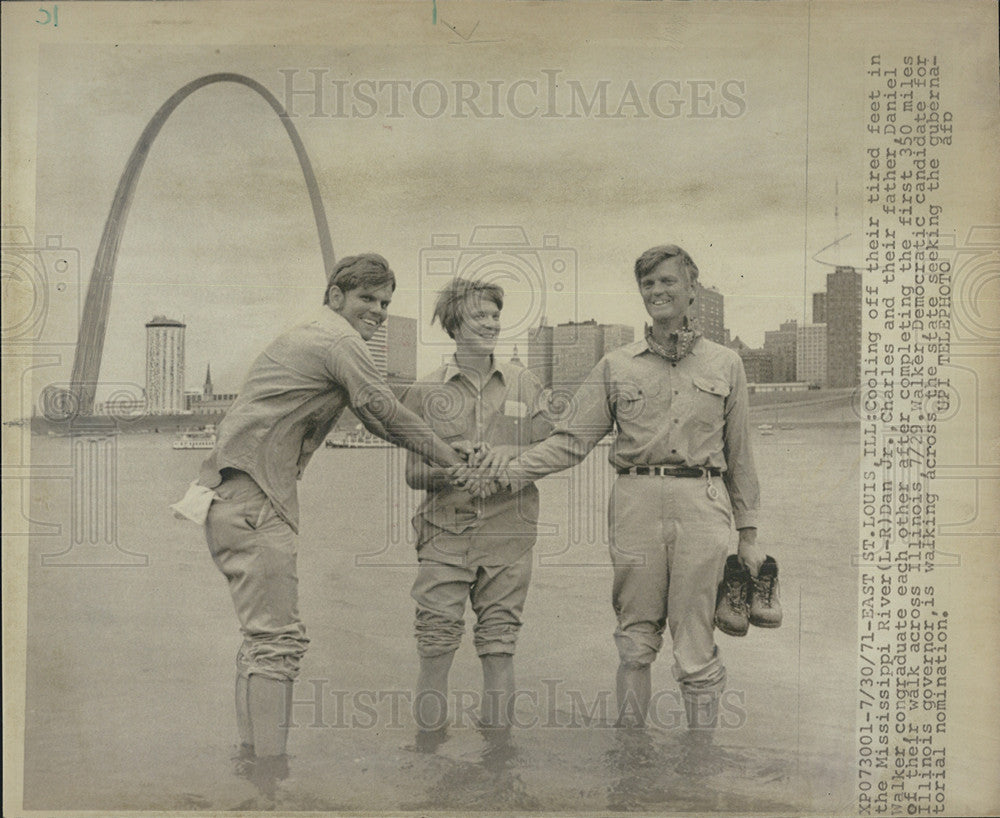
449, 308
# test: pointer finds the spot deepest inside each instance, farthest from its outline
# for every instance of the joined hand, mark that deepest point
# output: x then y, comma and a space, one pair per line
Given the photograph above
485, 471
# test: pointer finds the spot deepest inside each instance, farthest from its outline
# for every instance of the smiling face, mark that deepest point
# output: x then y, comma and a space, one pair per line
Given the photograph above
364, 308
479, 326
667, 293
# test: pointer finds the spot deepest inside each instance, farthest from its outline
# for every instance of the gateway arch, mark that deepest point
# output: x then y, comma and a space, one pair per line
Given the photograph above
94, 322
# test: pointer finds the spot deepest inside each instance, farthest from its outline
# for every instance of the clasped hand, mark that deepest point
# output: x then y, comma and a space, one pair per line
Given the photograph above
484, 472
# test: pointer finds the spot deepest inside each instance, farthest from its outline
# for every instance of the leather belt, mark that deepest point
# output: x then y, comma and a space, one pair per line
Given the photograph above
672, 471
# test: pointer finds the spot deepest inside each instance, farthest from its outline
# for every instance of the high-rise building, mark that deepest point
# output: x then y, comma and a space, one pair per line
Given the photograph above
616, 335
843, 327
564, 355
539, 358
576, 348
401, 362
378, 346
394, 349
810, 354
819, 308
780, 343
758, 365
708, 313
165, 366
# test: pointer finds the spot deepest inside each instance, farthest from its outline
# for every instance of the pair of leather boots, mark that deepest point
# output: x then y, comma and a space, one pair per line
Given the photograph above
744, 600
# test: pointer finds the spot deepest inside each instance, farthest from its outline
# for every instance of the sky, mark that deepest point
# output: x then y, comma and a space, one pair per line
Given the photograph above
757, 172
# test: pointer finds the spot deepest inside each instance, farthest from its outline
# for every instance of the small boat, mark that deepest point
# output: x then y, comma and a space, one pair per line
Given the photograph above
196, 439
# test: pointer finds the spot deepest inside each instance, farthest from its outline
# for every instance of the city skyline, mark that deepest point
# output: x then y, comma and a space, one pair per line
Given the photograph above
246, 243
563, 354
707, 313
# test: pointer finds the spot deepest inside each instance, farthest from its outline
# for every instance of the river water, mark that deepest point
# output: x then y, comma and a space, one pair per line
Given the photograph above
131, 644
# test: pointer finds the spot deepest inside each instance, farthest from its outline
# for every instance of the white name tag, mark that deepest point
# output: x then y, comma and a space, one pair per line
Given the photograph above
515, 409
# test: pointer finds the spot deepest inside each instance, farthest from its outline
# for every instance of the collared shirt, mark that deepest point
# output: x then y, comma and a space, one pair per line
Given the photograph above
690, 412
293, 395
508, 410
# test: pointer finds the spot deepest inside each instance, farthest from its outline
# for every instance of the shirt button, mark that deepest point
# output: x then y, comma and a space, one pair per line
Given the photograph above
676, 420
673, 451
676, 392
674, 365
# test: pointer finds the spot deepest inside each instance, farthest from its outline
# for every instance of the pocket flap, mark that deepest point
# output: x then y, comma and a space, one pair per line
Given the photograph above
713, 386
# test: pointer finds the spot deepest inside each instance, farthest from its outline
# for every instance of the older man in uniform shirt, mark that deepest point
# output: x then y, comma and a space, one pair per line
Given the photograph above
686, 474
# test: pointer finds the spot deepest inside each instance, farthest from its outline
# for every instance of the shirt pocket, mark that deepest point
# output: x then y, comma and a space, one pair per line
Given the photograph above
630, 400
505, 430
709, 400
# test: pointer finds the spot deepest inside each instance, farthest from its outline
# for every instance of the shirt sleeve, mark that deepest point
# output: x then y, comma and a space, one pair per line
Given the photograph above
538, 406
350, 364
741, 474
412, 399
587, 419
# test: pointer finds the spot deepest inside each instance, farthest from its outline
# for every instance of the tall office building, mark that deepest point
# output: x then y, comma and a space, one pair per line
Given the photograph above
819, 308
616, 335
578, 346
810, 354
756, 362
165, 366
708, 313
539, 358
378, 346
394, 349
843, 327
758, 365
780, 343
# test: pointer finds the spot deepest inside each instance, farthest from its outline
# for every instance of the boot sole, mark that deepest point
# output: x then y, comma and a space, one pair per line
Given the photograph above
731, 631
766, 624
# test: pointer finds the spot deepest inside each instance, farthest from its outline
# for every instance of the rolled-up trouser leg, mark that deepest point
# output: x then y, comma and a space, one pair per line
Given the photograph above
440, 592
641, 577
669, 543
255, 550
701, 703
703, 538
498, 597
